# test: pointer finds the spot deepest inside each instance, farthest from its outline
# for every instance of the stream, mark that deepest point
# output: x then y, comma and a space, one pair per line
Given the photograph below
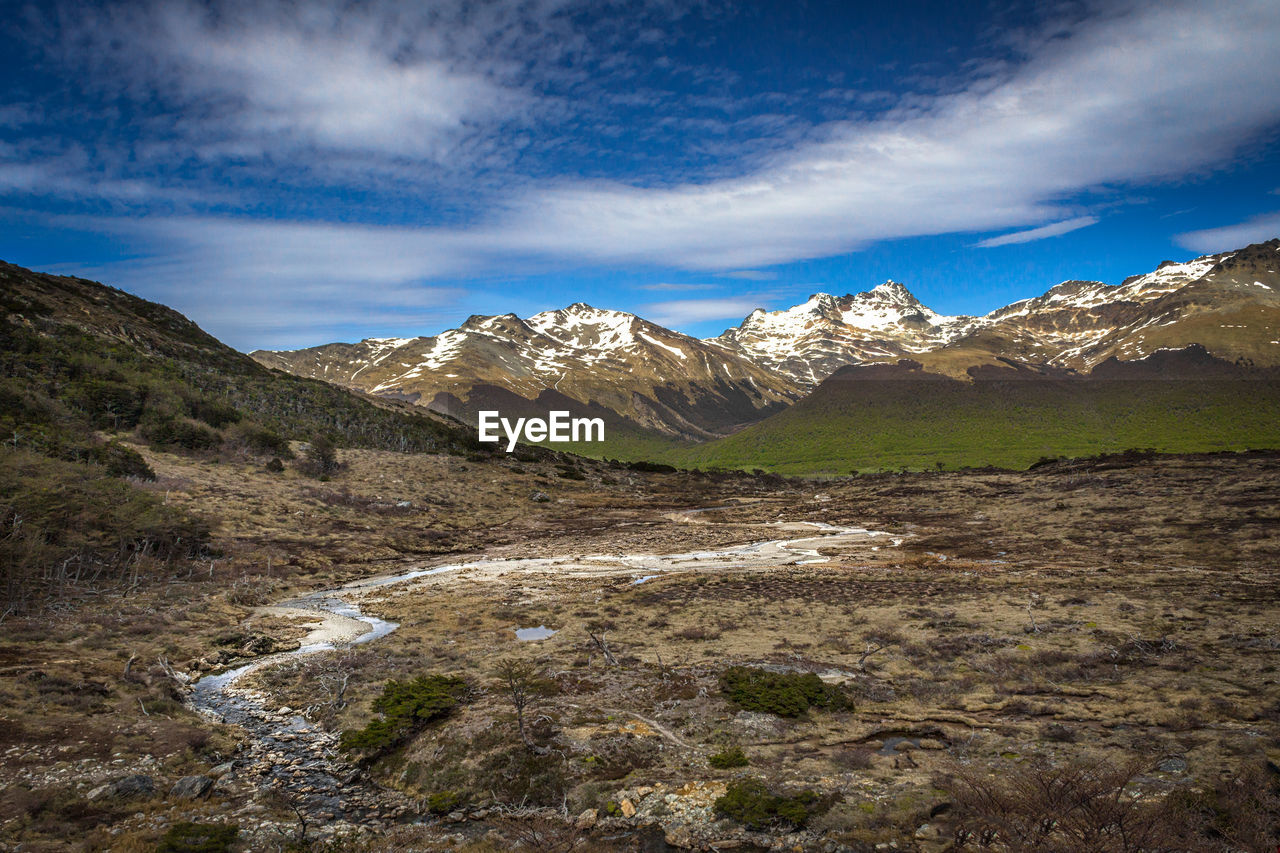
289, 753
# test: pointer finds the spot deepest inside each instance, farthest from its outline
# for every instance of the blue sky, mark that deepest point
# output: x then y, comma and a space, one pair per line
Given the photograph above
289, 174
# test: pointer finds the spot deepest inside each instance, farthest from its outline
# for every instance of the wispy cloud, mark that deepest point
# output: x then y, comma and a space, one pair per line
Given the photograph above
682, 312
353, 99
268, 284
1259, 229
677, 286
1141, 93
253, 80
749, 275
1054, 229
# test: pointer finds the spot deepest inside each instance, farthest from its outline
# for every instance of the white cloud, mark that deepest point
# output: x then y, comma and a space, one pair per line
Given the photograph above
684, 311
1136, 96
1259, 229
262, 80
274, 285
749, 275
1052, 230
677, 286
1133, 95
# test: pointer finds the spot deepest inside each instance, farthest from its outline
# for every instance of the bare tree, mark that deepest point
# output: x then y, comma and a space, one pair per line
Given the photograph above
596, 631
541, 832
522, 685
1075, 807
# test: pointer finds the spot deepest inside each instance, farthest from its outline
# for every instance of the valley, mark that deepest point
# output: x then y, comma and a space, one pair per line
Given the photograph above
1111, 610
552, 426
246, 610
831, 386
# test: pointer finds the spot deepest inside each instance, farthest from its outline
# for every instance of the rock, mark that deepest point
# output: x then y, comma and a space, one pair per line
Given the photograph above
927, 832
679, 836
222, 769
284, 711
586, 820
1173, 764
456, 817
628, 808
539, 497
191, 787
404, 504
126, 786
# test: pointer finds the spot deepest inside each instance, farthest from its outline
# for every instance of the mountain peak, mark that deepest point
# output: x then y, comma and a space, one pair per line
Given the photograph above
892, 289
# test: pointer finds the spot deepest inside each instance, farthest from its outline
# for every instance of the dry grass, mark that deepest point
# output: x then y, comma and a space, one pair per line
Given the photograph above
1117, 612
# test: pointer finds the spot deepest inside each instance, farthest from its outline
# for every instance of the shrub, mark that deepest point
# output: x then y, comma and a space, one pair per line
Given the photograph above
262, 441
180, 434
406, 706
215, 414
787, 694
443, 802
1077, 806
275, 466
66, 527
198, 838
321, 456
120, 461
731, 757
751, 803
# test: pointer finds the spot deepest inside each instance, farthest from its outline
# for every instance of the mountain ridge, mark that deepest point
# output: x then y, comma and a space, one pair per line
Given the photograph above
671, 384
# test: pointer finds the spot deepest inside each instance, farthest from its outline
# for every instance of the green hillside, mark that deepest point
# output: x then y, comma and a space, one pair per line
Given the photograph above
879, 425
88, 373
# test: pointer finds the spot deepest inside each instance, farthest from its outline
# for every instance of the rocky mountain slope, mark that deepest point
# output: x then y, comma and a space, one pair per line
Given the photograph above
657, 380
649, 376
808, 342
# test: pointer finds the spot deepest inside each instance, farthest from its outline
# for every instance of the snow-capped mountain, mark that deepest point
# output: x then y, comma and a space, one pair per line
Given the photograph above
808, 342
652, 377
1229, 303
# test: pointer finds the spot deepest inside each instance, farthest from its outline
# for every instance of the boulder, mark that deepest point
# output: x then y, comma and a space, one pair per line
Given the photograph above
136, 785
191, 788
586, 820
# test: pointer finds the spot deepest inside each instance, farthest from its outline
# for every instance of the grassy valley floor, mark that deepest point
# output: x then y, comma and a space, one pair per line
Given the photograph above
1117, 612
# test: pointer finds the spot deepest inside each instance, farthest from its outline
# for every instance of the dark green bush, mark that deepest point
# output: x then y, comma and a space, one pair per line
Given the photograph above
110, 404
263, 442
787, 694
731, 757
118, 460
198, 838
751, 803
212, 412
406, 706
66, 526
180, 434
321, 456
443, 802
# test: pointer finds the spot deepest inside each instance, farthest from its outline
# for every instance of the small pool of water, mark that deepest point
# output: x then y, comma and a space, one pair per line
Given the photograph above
892, 741
539, 633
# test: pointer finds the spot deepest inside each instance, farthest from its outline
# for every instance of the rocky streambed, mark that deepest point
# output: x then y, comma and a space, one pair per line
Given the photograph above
289, 755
